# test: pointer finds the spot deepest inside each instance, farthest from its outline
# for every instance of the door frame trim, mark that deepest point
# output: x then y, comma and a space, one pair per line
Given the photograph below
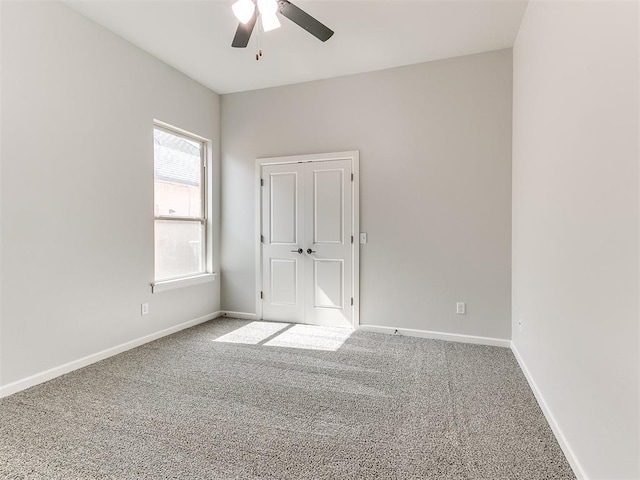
354, 156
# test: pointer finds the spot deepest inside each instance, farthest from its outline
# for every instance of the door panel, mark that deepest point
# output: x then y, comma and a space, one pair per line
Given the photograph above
328, 285
307, 206
282, 266
283, 281
328, 212
282, 214
329, 282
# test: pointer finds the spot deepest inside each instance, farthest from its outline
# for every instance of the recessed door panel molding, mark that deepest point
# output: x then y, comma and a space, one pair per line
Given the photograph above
308, 208
329, 283
283, 281
283, 193
328, 206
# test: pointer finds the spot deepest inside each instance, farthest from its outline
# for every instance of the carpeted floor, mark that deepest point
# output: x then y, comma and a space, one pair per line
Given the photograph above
283, 402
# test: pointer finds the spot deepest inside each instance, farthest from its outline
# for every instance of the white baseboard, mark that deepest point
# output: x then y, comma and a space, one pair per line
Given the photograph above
52, 373
240, 315
451, 337
555, 428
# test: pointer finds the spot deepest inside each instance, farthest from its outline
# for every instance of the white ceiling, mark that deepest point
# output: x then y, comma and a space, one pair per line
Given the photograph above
195, 36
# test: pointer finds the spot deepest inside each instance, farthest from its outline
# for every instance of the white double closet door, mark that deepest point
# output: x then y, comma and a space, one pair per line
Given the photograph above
307, 251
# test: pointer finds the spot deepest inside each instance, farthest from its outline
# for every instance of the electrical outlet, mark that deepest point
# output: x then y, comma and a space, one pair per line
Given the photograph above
144, 309
363, 237
461, 308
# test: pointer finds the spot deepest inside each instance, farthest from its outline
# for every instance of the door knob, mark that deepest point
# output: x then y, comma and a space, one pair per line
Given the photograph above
297, 251
309, 251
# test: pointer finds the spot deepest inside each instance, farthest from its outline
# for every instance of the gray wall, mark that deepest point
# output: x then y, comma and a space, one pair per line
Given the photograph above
575, 224
435, 185
78, 104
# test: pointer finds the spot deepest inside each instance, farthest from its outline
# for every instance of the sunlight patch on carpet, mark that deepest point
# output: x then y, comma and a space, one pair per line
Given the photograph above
311, 337
253, 333
275, 334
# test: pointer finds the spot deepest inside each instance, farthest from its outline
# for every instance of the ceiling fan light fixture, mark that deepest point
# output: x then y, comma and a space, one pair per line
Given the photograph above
243, 10
268, 7
269, 10
270, 22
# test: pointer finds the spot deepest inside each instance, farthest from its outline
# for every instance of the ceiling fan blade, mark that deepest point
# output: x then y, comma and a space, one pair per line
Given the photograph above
306, 21
243, 33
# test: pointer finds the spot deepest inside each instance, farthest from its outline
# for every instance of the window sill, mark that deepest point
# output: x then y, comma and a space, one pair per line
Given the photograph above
165, 285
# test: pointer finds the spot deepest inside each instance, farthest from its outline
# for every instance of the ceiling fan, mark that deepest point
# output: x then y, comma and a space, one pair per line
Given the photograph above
247, 13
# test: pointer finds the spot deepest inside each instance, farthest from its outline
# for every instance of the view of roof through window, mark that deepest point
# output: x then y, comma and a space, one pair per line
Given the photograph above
177, 158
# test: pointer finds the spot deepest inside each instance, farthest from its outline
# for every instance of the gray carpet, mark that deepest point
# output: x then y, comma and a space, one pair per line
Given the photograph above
378, 407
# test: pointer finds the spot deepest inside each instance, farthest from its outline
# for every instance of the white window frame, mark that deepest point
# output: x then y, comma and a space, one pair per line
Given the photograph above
207, 275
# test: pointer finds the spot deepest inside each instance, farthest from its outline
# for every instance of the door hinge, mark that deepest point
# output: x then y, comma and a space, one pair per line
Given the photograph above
261, 238
262, 182
351, 300
351, 238
261, 295
352, 177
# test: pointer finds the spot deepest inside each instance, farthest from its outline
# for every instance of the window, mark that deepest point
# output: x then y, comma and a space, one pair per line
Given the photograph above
179, 204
